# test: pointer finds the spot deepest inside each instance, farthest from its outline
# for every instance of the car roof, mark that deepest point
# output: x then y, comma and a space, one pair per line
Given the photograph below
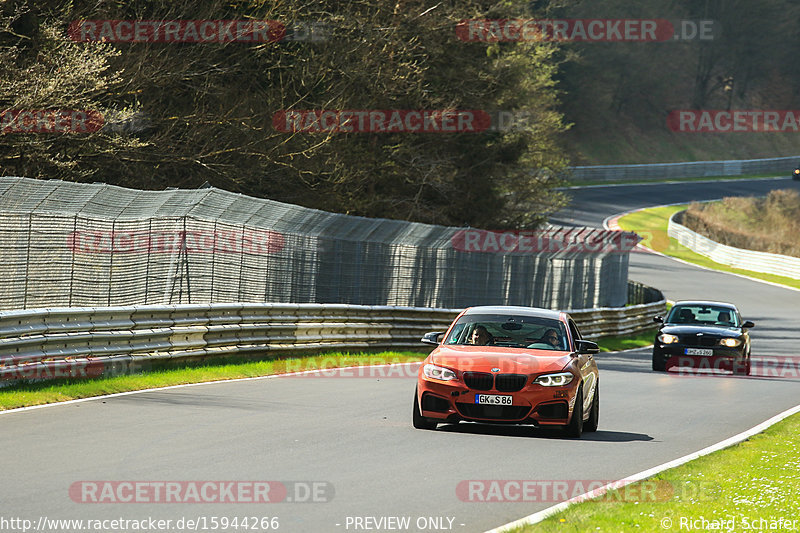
705, 302
513, 310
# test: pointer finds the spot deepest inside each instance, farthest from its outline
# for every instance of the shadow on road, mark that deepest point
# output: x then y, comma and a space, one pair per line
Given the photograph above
500, 430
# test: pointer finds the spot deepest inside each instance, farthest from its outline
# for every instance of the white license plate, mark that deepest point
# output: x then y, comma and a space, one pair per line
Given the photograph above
699, 351
492, 399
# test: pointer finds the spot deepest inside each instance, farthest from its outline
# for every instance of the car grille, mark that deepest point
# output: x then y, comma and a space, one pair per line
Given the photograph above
694, 340
502, 382
493, 412
510, 382
478, 380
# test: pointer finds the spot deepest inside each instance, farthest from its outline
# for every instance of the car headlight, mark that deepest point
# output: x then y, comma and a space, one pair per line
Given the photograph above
730, 343
438, 372
554, 380
666, 338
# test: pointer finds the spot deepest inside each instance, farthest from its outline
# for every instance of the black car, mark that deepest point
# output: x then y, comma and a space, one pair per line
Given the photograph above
706, 335
796, 173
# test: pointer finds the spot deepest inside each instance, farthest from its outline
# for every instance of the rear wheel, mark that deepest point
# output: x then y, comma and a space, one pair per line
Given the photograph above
575, 426
594, 415
419, 421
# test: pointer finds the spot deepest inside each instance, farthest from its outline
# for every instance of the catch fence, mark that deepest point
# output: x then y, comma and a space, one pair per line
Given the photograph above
69, 245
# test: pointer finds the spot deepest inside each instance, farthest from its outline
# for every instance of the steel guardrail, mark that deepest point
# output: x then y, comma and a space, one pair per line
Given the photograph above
93, 341
764, 262
696, 169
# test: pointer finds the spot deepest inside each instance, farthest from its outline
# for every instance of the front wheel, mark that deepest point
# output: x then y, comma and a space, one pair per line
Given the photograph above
594, 414
575, 426
659, 365
419, 421
742, 368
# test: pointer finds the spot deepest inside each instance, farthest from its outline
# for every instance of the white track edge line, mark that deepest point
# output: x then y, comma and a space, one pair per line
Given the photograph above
736, 439
183, 385
650, 250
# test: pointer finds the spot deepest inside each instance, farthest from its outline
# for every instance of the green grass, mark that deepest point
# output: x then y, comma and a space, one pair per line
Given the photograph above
23, 395
651, 224
618, 343
756, 479
38, 393
766, 224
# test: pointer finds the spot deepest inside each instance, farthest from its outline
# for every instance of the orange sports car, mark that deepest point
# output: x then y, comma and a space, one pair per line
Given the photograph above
509, 365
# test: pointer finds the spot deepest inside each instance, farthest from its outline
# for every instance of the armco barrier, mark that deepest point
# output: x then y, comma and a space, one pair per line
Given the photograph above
89, 342
779, 265
696, 169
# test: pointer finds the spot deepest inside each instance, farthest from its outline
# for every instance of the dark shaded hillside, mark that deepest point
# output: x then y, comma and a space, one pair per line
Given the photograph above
180, 114
618, 95
183, 113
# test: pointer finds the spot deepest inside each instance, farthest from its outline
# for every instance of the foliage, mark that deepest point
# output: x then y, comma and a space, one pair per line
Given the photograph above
180, 115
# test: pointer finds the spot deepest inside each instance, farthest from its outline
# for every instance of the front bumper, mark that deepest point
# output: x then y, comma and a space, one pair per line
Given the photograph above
452, 401
722, 358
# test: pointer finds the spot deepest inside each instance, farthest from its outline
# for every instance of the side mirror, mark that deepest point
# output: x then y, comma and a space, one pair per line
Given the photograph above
748, 324
658, 319
584, 346
433, 337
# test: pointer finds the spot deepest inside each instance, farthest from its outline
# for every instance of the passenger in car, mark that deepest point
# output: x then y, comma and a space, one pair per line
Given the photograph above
552, 338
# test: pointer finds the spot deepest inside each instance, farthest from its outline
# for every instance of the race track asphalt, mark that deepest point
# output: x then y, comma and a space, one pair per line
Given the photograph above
354, 433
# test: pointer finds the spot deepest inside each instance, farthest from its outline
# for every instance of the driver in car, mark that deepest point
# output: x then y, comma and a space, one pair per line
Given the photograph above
552, 338
481, 336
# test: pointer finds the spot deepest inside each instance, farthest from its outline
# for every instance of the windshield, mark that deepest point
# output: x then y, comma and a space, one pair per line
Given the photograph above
509, 330
708, 315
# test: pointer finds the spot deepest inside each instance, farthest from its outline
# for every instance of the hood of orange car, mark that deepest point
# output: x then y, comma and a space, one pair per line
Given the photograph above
508, 360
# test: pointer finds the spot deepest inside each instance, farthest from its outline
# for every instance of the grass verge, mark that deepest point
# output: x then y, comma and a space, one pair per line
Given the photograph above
24, 395
651, 224
755, 480
619, 343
